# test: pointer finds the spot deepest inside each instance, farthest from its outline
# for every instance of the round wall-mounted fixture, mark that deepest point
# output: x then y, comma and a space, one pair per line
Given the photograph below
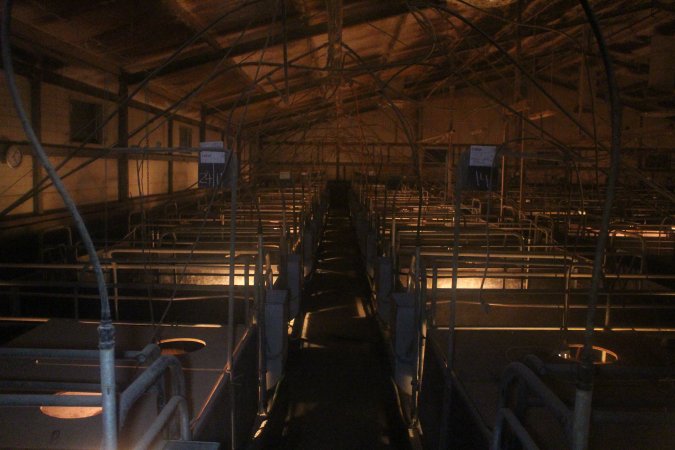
12, 155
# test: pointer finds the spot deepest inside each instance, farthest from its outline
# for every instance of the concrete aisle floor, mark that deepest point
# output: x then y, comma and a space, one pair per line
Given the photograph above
339, 395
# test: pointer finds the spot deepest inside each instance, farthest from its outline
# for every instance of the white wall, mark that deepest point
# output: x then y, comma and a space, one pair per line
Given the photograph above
98, 181
14, 182
474, 119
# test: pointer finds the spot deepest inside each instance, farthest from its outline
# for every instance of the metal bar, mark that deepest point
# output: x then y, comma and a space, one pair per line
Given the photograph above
434, 294
247, 312
148, 378
447, 401
15, 352
581, 423
36, 122
233, 168
169, 144
123, 141
50, 400
175, 403
633, 417
260, 316
506, 415
519, 371
49, 386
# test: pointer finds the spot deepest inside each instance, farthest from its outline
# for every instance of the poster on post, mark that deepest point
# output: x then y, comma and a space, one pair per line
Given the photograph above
213, 160
478, 171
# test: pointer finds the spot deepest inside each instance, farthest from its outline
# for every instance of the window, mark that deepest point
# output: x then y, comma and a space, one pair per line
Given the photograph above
435, 155
85, 122
185, 137
549, 159
656, 161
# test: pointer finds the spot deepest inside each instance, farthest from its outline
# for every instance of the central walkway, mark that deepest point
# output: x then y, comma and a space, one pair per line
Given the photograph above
339, 395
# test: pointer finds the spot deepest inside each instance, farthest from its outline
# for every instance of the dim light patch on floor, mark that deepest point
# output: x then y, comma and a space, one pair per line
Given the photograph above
621, 329
72, 412
180, 346
349, 273
305, 326
320, 293
260, 429
303, 408
170, 325
359, 307
599, 355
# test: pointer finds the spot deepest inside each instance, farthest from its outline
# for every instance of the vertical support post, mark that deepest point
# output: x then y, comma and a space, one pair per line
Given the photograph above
566, 298
434, 294
451, 167
446, 171
109, 400
259, 152
520, 129
202, 124
36, 122
337, 157
384, 216
450, 156
232, 250
419, 134
232, 169
169, 170
586, 83
260, 321
581, 92
447, 401
123, 141
392, 238
295, 222
502, 188
582, 418
521, 190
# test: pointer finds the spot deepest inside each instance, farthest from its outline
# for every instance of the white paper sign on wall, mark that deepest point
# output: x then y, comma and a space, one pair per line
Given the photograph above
482, 155
211, 157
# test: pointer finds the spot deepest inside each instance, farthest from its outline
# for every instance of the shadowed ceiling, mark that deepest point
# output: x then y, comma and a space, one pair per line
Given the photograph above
275, 65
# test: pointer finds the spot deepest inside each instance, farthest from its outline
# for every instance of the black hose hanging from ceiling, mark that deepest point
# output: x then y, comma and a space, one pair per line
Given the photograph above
414, 146
125, 102
44, 160
106, 330
518, 65
615, 154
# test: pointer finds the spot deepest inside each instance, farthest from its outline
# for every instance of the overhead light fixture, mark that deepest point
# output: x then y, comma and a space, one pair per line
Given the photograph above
658, 114
485, 3
542, 114
398, 103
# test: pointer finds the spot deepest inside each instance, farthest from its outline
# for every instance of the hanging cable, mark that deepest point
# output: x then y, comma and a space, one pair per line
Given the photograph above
157, 332
123, 103
585, 374
519, 66
615, 116
106, 329
167, 114
414, 146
